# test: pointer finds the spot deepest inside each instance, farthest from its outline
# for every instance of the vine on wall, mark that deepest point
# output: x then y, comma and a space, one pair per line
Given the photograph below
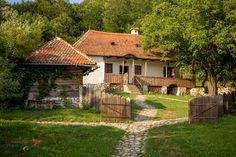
46, 78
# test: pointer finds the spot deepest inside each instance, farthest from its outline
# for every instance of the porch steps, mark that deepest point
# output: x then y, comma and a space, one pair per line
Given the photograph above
132, 89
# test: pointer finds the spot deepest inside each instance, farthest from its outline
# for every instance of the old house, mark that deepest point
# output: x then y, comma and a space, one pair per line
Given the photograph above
122, 61
59, 56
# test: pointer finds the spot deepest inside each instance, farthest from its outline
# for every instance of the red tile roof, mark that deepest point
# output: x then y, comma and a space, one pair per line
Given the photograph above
59, 52
96, 43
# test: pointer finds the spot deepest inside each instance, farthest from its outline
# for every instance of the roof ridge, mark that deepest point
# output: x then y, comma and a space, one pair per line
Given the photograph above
116, 33
82, 38
45, 45
84, 55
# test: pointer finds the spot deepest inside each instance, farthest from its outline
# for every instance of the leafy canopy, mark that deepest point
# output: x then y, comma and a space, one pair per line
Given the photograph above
198, 33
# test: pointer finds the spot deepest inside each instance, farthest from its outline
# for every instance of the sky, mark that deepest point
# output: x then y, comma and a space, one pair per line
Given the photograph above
72, 1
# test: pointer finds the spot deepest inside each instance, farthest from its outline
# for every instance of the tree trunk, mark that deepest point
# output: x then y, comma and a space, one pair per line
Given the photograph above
212, 85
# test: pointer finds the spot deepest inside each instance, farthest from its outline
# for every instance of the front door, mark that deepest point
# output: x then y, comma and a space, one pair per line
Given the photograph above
126, 70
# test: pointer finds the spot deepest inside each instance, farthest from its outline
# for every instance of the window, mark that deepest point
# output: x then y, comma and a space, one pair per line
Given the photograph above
138, 70
108, 68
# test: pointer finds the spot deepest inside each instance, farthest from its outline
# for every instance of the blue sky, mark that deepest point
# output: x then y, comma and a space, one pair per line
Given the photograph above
72, 1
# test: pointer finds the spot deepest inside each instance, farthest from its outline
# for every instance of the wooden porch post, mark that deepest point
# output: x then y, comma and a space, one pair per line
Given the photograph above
133, 71
145, 68
166, 69
123, 66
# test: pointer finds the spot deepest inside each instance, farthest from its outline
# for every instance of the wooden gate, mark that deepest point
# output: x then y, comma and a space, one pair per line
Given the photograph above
205, 109
116, 108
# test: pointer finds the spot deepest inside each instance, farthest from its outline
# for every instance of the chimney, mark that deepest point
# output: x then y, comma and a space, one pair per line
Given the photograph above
134, 31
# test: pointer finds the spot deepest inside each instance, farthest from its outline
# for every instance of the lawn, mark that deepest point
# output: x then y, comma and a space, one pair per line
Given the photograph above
195, 140
78, 115
169, 106
135, 108
57, 140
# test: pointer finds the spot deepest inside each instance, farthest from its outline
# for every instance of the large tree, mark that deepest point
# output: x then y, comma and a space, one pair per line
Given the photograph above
198, 33
19, 36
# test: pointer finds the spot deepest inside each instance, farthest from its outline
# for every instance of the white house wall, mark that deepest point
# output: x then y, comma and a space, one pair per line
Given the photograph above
97, 76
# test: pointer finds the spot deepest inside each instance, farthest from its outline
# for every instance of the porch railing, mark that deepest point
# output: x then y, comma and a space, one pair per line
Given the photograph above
163, 81
116, 78
138, 83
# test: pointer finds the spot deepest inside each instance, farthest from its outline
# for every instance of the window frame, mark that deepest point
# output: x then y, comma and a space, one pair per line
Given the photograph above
136, 71
108, 68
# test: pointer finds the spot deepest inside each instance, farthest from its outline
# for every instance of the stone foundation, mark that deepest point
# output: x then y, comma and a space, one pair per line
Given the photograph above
164, 90
226, 90
201, 91
54, 102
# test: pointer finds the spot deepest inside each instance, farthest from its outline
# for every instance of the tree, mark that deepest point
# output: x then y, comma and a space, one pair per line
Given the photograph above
116, 15
92, 14
19, 37
198, 33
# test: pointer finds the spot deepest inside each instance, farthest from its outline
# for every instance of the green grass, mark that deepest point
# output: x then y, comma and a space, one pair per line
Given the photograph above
195, 140
57, 140
169, 109
135, 108
79, 115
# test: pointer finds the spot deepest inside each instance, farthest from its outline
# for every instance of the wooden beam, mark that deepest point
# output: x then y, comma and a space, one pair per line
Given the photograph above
145, 69
133, 71
166, 69
123, 66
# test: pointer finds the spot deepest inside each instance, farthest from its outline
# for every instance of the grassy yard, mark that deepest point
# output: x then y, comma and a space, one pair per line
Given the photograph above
195, 140
135, 108
79, 115
57, 140
169, 106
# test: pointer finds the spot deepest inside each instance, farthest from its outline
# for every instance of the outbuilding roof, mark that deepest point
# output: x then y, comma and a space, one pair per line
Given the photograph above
97, 43
59, 52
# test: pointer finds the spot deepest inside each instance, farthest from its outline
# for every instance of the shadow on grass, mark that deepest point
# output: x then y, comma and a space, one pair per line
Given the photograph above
156, 103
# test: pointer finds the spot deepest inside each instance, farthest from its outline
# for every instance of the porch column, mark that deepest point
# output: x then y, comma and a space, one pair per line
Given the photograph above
145, 68
166, 69
123, 66
133, 71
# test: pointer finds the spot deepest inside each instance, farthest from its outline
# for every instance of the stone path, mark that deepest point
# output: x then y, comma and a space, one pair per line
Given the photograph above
132, 143
123, 126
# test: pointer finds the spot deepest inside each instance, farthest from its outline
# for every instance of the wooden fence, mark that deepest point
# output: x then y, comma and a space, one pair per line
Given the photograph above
116, 107
210, 108
91, 96
111, 107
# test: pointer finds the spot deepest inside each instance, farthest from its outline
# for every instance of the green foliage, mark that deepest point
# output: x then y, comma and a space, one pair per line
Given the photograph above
9, 86
92, 14
19, 36
46, 78
199, 34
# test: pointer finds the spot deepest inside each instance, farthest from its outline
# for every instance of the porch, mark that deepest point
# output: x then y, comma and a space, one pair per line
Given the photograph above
147, 81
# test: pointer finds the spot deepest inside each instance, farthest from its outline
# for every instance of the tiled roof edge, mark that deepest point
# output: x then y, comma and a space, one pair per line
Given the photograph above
84, 55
